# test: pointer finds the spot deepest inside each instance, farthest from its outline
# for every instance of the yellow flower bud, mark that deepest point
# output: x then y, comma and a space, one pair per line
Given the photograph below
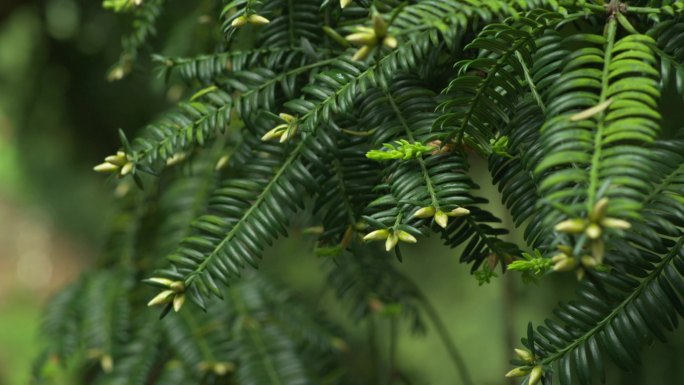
379, 25
257, 19
178, 301
276, 132
164, 297
107, 363
106, 168
391, 242
517, 372
362, 38
239, 22
162, 281
289, 133
593, 231
178, 286
524, 355
362, 53
222, 162
345, 3
599, 210
390, 42
127, 168
406, 237
119, 159
377, 235
567, 264
616, 223
535, 375
572, 226
459, 212
598, 249
441, 218
589, 261
287, 117
424, 212
222, 368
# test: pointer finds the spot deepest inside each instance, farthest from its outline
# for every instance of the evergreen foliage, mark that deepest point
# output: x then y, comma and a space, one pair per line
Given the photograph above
361, 120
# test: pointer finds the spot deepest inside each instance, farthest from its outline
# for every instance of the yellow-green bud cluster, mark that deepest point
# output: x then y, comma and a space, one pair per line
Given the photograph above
594, 227
391, 237
285, 131
174, 291
533, 371
345, 3
401, 150
368, 38
116, 164
249, 19
440, 217
217, 368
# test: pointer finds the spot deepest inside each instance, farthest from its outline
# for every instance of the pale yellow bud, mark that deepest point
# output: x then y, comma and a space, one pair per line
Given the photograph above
391, 242
390, 42
567, 264
379, 25
345, 3
222, 368
257, 19
377, 235
599, 210
239, 22
222, 162
459, 212
178, 286
616, 223
559, 257
127, 168
286, 117
593, 231
107, 363
106, 168
517, 372
164, 297
162, 281
524, 355
572, 226
589, 262
178, 301
424, 212
289, 133
362, 53
598, 249
276, 132
406, 237
362, 38
535, 375
119, 159
441, 218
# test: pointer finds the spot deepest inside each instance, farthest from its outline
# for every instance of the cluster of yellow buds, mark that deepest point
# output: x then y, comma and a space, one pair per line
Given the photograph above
119, 163
174, 292
535, 372
369, 38
391, 237
106, 360
594, 227
441, 217
218, 368
249, 19
565, 261
283, 131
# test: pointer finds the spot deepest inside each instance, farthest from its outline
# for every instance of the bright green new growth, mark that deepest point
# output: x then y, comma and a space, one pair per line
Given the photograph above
561, 98
402, 150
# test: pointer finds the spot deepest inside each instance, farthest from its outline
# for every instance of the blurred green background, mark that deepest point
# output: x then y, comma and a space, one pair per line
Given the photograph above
58, 117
